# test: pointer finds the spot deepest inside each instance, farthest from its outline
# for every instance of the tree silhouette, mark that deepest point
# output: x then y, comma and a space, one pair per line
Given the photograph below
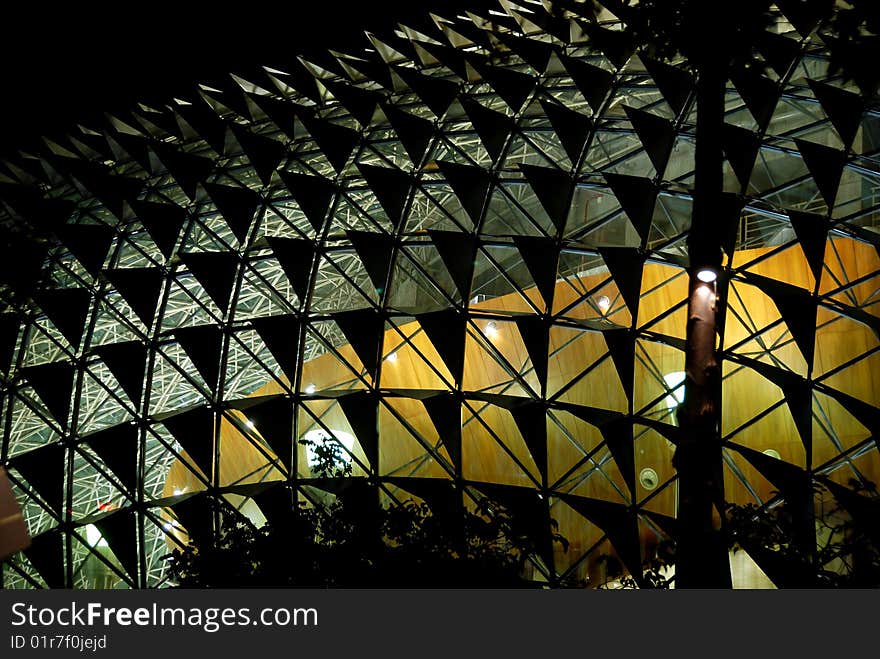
713, 40
844, 553
349, 540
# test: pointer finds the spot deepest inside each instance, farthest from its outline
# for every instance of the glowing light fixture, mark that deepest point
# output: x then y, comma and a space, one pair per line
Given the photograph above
707, 275
603, 302
249, 424
491, 328
310, 389
391, 358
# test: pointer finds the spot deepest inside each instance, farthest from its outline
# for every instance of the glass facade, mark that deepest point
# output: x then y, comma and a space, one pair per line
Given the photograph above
459, 254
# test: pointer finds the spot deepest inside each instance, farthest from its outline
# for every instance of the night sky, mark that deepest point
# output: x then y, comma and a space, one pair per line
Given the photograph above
69, 63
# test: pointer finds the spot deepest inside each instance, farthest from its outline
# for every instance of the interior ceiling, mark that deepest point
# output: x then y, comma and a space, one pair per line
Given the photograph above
234, 270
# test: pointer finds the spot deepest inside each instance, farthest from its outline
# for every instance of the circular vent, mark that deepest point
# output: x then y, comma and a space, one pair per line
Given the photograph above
648, 478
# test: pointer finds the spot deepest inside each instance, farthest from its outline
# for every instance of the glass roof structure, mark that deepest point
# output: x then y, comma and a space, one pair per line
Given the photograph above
460, 253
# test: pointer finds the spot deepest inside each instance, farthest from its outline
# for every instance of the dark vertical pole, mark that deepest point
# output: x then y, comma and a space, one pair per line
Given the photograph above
702, 558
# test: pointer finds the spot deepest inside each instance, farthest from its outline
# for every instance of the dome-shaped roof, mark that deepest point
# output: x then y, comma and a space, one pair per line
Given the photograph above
462, 254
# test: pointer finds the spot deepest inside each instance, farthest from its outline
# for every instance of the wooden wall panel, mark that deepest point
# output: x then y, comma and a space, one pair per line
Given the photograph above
746, 393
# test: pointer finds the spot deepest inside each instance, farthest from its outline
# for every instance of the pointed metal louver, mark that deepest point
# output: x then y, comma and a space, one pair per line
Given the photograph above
481, 169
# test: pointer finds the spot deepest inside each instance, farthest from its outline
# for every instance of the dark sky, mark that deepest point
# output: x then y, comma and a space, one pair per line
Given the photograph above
64, 64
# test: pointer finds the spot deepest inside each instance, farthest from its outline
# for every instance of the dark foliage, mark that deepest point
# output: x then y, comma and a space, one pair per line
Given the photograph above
347, 542
846, 553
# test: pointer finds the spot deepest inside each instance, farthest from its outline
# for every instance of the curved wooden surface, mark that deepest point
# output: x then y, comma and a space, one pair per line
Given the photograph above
492, 447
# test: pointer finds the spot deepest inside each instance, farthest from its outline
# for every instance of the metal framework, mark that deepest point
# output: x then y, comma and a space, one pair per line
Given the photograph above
209, 247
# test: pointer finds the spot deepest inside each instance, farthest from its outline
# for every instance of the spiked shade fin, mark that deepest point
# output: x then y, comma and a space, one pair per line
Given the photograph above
618, 435
620, 525
592, 82
470, 184
236, 205
118, 446
391, 187
360, 103
313, 194
625, 264
272, 417
375, 251
140, 288
637, 196
843, 108
162, 221
54, 385
535, 53
446, 330
741, 147
188, 170
656, 134
760, 95
281, 335
363, 328
531, 421
43, 469
414, 132
514, 87
362, 410
10, 326
621, 346
674, 83
457, 251
812, 234
798, 309
554, 189
193, 428
572, 128
89, 243
67, 308
125, 361
437, 93
541, 256
535, 334
826, 167
119, 529
444, 410
46, 553
795, 485
493, 127
296, 257
335, 141
215, 271
203, 345
264, 153
798, 396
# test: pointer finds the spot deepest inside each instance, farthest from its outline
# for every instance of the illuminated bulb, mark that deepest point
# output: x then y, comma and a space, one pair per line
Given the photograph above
392, 357
603, 302
491, 327
168, 526
178, 490
707, 275
249, 424
310, 389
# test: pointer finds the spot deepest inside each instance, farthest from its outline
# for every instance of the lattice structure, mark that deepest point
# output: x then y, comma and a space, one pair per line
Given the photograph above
462, 252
